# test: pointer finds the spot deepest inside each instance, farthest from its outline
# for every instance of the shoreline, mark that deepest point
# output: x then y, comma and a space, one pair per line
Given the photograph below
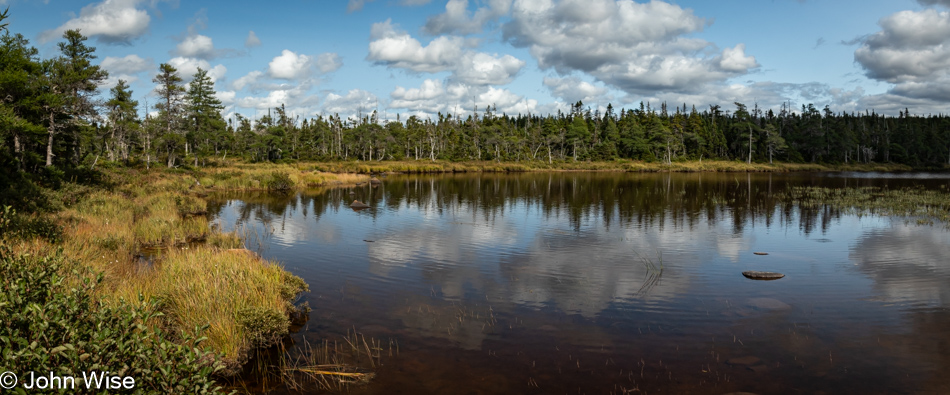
712, 166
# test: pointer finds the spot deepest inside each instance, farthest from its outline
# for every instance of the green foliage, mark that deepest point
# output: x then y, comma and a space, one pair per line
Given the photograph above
51, 324
263, 326
17, 226
279, 181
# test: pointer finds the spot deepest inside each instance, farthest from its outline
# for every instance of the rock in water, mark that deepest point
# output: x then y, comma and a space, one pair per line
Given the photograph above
358, 204
762, 275
374, 181
760, 253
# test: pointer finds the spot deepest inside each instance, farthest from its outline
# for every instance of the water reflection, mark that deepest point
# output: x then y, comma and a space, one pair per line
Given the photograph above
641, 272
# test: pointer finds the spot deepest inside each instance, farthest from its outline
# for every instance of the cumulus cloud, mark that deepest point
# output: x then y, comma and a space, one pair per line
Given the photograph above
916, 60
129, 64
903, 51
480, 68
351, 104
945, 3
434, 96
397, 49
573, 89
637, 47
289, 66
356, 5
125, 68
252, 40
296, 98
328, 62
110, 21
249, 80
457, 19
187, 67
196, 46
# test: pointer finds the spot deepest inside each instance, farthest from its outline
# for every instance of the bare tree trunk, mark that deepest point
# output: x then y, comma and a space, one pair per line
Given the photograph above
750, 145
49, 143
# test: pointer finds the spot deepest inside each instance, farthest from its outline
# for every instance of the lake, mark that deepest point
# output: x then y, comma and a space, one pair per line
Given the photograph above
612, 283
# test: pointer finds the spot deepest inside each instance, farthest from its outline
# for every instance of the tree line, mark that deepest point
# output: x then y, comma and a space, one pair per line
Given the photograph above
54, 119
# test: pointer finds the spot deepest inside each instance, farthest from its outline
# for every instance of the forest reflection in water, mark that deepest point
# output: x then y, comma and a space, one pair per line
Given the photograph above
604, 282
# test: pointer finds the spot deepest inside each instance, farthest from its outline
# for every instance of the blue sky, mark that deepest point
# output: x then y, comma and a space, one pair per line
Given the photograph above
425, 56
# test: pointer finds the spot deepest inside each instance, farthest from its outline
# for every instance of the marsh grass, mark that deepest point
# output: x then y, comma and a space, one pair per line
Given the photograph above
924, 205
195, 275
654, 271
330, 365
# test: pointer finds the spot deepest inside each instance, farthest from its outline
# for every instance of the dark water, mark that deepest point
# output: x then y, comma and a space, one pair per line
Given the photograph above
600, 283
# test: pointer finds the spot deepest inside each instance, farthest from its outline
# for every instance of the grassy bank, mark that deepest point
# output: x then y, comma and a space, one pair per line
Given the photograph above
424, 166
145, 234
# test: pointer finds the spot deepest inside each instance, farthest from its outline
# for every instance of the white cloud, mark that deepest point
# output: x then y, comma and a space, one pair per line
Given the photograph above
483, 69
356, 5
945, 3
296, 99
110, 21
398, 49
457, 19
252, 40
735, 60
249, 80
290, 66
129, 64
328, 62
573, 89
187, 67
226, 97
351, 104
637, 47
433, 96
196, 46
428, 98
915, 59
903, 51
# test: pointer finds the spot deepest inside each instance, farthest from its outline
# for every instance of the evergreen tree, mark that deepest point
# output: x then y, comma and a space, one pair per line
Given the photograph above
170, 109
123, 120
204, 115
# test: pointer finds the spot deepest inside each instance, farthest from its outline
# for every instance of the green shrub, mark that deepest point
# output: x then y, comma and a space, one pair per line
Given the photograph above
279, 181
263, 327
48, 324
13, 225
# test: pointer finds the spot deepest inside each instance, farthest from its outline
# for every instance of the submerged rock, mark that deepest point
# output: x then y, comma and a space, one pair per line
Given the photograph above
358, 204
760, 253
755, 275
374, 181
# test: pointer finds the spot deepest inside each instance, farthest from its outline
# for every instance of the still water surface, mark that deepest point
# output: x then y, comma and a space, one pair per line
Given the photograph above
602, 283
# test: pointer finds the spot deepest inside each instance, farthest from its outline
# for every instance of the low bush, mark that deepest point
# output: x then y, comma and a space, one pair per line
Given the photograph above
49, 324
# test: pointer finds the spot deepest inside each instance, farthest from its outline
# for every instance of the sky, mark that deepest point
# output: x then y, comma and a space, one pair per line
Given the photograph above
424, 57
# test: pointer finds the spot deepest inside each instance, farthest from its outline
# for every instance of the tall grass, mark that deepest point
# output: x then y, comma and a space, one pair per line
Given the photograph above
149, 237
